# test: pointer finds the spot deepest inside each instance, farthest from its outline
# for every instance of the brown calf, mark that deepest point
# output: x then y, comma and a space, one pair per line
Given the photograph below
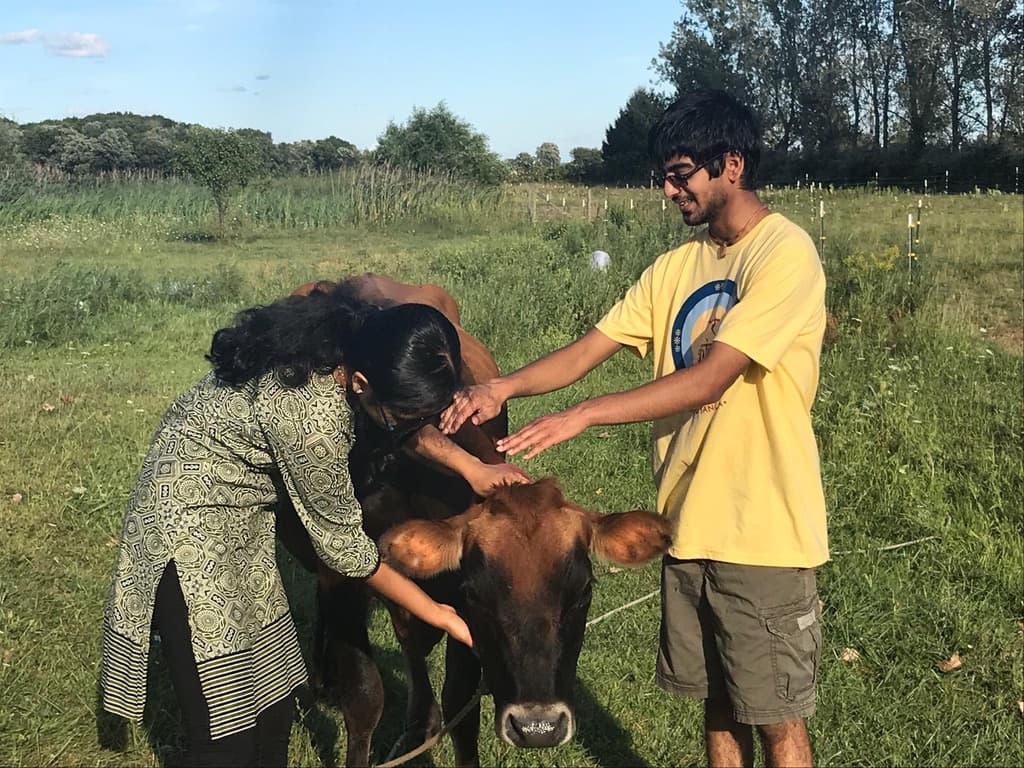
523, 557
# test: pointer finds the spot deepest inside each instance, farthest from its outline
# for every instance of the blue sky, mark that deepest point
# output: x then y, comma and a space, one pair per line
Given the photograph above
520, 71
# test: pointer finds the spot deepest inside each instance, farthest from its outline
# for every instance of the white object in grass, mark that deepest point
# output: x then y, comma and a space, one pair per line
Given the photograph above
600, 260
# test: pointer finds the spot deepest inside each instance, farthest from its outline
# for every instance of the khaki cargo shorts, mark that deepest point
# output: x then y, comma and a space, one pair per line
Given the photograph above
749, 634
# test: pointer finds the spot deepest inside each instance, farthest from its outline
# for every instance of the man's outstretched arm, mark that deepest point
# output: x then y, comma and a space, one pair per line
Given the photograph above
684, 390
554, 371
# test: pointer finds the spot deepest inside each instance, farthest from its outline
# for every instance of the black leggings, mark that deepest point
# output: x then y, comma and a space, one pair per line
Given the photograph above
265, 744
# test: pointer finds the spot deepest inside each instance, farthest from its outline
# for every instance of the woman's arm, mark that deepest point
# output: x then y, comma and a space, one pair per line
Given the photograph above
389, 583
431, 444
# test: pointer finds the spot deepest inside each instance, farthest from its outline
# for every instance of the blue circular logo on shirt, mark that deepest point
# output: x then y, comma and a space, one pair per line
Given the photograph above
696, 324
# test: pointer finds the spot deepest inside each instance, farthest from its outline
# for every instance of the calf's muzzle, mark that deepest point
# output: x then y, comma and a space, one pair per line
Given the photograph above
536, 725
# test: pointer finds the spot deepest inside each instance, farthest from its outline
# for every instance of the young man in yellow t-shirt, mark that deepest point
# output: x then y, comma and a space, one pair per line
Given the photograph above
734, 319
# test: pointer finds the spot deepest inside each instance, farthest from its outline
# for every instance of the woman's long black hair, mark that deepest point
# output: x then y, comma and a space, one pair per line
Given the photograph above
409, 353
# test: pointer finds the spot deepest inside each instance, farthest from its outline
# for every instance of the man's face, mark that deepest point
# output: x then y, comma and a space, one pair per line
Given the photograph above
699, 197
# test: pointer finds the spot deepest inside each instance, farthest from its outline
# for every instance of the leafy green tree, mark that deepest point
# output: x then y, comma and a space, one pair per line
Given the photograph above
113, 151
92, 128
822, 74
624, 149
222, 161
922, 52
74, 152
262, 142
586, 166
438, 140
1009, 76
823, 94
523, 167
754, 50
293, 157
700, 52
155, 149
873, 64
549, 159
332, 153
993, 23
37, 142
10, 144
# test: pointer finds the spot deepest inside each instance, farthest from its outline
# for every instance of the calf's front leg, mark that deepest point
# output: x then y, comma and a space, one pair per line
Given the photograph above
461, 682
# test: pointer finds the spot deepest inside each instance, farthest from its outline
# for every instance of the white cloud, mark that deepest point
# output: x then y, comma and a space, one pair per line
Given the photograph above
25, 36
79, 45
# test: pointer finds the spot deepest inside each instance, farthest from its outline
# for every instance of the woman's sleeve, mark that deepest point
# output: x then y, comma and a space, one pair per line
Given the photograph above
309, 433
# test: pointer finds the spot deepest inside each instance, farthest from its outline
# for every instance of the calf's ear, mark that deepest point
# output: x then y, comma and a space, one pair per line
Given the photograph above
630, 538
423, 548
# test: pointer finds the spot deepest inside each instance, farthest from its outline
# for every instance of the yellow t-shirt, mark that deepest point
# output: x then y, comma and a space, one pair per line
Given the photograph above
741, 476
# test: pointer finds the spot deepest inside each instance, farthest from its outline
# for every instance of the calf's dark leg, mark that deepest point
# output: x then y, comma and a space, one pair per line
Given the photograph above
462, 678
349, 676
422, 714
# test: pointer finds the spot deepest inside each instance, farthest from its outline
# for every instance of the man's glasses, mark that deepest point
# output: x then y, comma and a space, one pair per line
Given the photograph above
680, 180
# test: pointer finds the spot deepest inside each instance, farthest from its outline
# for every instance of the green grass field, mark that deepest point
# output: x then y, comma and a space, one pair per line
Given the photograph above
109, 300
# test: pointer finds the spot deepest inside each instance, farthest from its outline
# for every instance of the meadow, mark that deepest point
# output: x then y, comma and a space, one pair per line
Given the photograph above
112, 291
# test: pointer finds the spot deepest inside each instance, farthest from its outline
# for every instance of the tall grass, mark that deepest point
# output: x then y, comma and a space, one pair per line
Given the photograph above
369, 195
68, 303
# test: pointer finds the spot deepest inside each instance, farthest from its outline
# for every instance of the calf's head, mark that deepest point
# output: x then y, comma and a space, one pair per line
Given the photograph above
524, 553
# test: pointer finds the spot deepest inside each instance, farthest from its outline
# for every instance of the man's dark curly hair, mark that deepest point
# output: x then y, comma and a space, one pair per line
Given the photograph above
703, 125
409, 353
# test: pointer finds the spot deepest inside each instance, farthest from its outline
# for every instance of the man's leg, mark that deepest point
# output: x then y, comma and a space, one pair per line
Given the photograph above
689, 664
769, 643
728, 743
786, 744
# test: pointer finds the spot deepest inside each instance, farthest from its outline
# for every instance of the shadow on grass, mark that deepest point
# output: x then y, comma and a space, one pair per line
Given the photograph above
320, 716
602, 735
111, 730
320, 728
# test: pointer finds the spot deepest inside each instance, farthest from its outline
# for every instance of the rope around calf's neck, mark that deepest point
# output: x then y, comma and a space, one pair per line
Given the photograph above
432, 741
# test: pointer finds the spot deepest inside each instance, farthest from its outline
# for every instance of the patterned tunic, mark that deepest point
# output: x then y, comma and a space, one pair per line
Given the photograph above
218, 462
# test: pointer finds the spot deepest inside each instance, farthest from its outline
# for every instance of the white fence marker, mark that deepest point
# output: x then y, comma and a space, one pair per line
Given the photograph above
910, 246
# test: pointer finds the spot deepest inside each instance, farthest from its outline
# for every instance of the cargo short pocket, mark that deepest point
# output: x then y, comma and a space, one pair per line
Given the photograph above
795, 631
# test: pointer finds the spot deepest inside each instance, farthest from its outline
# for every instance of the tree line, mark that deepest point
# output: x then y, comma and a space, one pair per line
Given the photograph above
433, 139
122, 141
848, 91
845, 88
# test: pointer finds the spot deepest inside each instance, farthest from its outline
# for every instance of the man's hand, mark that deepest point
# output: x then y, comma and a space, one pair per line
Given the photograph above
487, 477
478, 403
545, 432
